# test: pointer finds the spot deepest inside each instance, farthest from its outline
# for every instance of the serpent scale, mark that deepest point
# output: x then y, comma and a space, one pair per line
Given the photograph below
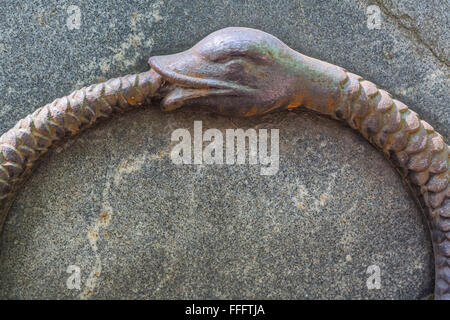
247, 72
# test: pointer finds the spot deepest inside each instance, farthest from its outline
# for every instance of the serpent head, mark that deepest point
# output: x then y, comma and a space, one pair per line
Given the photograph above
233, 71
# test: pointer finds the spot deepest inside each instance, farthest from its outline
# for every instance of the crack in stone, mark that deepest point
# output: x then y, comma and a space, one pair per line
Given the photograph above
411, 28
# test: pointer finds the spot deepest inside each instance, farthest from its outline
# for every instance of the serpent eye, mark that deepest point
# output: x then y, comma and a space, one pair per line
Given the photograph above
223, 59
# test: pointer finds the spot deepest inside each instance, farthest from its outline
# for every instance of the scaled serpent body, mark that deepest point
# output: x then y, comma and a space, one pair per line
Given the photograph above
246, 72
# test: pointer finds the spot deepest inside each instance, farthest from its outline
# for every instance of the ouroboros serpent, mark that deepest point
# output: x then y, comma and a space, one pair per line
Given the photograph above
247, 72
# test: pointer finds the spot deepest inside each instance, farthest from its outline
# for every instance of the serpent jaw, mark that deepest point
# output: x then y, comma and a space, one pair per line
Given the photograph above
234, 71
185, 88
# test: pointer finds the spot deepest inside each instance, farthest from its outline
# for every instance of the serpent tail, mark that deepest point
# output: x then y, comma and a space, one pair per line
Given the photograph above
33, 135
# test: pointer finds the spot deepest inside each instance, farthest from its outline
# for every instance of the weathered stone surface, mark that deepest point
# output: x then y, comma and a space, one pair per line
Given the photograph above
334, 208
112, 202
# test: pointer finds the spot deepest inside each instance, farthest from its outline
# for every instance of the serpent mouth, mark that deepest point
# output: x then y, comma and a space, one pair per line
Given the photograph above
192, 78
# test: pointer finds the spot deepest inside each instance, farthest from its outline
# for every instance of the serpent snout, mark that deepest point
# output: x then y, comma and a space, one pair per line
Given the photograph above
234, 71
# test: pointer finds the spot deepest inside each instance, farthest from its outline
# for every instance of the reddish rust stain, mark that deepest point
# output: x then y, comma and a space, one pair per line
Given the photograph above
253, 111
296, 101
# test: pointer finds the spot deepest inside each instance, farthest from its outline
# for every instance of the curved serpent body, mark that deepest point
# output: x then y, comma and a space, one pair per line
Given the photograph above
415, 149
246, 72
32, 136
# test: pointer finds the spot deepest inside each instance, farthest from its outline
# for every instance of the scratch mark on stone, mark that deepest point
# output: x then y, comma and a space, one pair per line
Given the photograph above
315, 204
128, 166
93, 236
405, 22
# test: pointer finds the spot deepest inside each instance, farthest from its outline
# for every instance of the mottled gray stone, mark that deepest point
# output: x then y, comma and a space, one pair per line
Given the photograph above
334, 208
310, 231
